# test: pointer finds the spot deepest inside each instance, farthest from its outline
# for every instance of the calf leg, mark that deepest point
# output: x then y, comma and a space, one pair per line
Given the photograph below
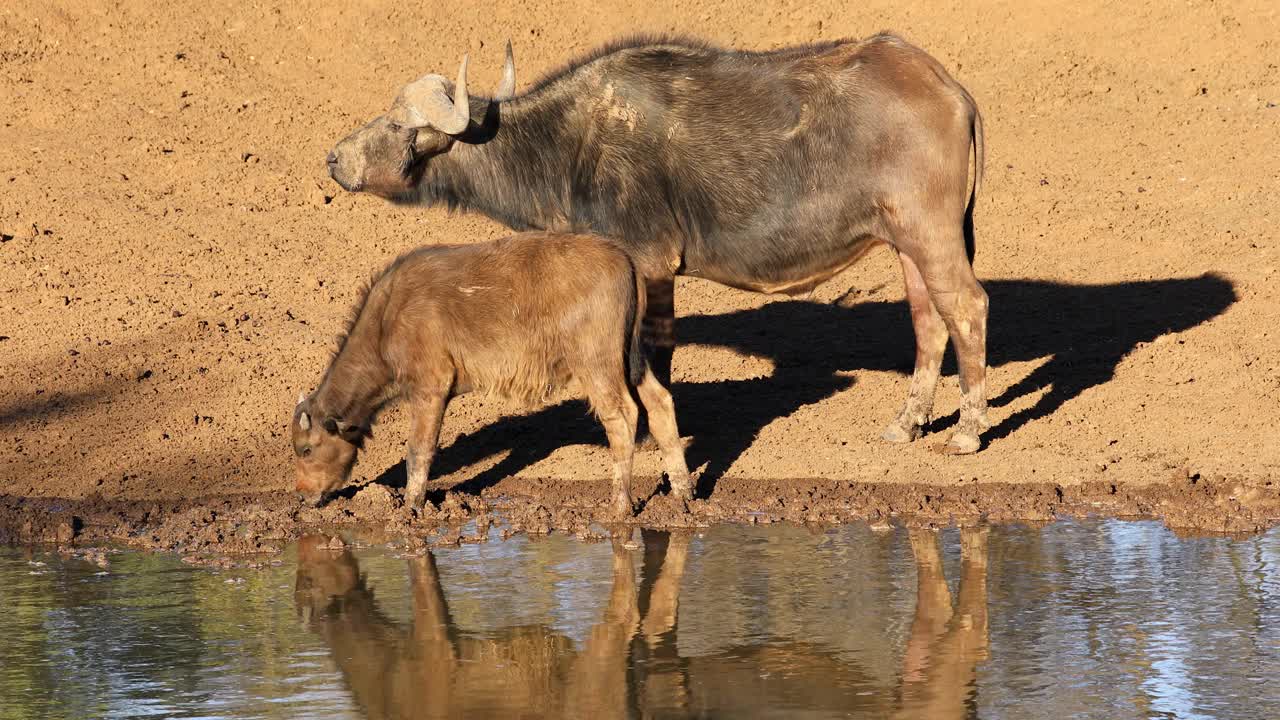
618, 413
661, 411
931, 342
424, 436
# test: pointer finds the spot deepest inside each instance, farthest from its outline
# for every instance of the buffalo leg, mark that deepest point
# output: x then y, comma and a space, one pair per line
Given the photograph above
661, 411
658, 327
424, 436
931, 342
657, 333
962, 303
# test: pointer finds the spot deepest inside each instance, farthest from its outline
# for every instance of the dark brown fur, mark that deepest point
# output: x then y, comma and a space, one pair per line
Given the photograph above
517, 318
768, 171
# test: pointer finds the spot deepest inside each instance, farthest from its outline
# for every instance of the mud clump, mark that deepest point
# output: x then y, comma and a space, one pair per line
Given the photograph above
375, 500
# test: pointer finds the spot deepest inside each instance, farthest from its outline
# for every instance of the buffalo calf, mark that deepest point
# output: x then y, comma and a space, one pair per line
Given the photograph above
517, 318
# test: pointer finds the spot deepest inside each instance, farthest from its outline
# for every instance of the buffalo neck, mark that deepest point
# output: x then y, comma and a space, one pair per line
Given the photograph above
359, 381
513, 166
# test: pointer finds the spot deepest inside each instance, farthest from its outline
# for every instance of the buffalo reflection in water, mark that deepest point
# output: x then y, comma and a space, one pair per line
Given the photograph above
629, 664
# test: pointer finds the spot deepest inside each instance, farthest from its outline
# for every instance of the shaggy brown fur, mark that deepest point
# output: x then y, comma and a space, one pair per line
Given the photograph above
517, 318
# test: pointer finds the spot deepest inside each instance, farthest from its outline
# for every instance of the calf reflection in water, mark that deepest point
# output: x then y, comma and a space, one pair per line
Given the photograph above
629, 664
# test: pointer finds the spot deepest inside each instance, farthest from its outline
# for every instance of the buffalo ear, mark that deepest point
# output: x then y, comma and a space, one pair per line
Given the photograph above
427, 142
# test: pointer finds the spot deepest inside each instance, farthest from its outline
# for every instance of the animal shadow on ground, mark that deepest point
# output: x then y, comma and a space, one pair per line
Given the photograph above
1083, 330
105, 386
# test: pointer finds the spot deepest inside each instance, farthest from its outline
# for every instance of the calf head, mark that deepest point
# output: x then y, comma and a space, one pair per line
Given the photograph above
387, 156
325, 449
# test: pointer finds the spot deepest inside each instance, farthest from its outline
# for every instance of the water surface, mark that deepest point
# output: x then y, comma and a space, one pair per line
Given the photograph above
1101, 619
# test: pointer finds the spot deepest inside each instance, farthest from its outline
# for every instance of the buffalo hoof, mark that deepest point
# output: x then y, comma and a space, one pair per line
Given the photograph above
961, 443
898, 432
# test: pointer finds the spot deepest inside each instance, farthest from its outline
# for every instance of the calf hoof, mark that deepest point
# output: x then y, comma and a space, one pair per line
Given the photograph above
621, 508
899, 432
415, 500
961, 443
682, 489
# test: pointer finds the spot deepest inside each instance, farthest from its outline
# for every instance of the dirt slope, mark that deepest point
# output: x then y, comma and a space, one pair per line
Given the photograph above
176, 263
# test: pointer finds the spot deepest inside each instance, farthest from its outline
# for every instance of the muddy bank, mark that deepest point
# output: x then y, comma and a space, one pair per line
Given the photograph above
209, 529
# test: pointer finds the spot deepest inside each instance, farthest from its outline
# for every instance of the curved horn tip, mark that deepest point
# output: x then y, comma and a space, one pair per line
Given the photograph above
460, 88
507, 88
302, 397
462, 69
461, 102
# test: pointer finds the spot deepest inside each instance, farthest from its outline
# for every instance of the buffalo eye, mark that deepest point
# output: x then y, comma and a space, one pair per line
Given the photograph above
305, 451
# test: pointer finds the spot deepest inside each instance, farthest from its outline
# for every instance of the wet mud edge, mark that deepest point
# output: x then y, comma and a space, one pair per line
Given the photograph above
222, 528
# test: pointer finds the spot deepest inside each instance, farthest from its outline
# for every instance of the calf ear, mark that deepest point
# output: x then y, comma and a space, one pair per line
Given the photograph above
352, 433
347, 428
304, 421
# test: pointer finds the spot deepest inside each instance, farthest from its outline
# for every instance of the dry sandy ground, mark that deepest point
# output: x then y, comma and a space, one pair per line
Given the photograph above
175, 262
